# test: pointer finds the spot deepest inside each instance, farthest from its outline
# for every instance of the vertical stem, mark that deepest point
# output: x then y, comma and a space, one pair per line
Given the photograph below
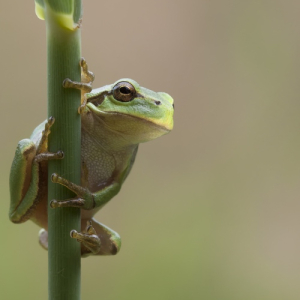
63, 46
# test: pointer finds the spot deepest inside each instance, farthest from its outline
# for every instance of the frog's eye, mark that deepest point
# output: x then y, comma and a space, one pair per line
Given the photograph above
124, 91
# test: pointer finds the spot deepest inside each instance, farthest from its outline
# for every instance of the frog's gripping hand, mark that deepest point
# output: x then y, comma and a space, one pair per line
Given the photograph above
85, 199
42, 149
87, 78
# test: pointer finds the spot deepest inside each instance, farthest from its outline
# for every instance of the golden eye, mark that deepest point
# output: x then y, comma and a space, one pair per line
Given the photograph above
124, 91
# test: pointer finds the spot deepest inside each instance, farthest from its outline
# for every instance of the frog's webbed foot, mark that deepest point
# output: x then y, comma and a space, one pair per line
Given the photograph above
42, 149
89, 239
84, 199
87, 78
95, 239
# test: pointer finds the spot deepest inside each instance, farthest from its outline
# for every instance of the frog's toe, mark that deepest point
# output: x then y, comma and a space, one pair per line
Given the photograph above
51, 121
82, 62
67, 83
74, 202
87, 75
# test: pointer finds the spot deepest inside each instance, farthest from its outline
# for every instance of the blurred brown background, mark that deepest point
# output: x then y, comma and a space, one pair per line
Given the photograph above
210, 211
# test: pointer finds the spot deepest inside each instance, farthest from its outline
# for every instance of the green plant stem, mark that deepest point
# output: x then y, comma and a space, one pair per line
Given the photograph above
63, 46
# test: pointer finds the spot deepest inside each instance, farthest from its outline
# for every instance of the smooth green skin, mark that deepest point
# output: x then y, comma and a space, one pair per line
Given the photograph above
111, 131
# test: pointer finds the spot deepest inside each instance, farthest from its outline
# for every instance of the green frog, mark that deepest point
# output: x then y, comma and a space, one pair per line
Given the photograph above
114, 120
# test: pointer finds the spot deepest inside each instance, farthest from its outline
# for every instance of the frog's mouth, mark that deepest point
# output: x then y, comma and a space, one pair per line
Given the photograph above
97, 100
113, 116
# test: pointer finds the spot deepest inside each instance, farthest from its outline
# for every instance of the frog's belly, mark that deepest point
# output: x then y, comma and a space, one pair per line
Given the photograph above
98, 172
97, 165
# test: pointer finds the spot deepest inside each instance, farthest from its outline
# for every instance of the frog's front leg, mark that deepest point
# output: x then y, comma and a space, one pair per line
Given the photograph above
85, 199
87, 78
25, 175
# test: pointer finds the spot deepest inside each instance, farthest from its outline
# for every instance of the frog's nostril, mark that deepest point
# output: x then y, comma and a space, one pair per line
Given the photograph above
157, 102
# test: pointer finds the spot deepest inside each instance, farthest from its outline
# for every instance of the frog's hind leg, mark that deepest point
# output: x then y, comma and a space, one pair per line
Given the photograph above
97, 239
25, 176
23, 181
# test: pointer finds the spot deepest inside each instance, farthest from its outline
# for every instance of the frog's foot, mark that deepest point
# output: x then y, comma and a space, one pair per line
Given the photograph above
89, 239
109, 244
42, 149
85, 85
85, 199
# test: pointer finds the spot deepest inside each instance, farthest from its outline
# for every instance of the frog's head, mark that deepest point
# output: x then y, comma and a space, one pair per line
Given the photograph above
131, 110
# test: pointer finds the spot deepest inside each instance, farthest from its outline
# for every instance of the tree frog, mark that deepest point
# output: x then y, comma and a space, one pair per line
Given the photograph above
114, 120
